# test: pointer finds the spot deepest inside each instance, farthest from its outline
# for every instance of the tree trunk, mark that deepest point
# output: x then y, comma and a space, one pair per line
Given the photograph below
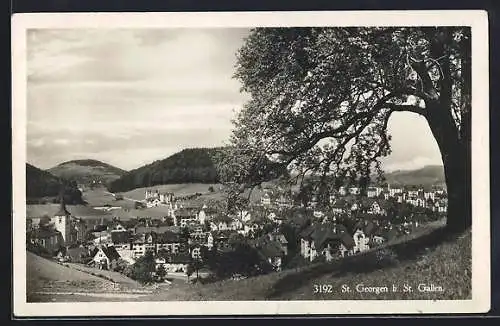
458, 182
456, 156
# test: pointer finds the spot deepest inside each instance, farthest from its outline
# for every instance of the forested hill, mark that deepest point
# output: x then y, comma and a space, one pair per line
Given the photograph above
87, 171
192, 165
42, 184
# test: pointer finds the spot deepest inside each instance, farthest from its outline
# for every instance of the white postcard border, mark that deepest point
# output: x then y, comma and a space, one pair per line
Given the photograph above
478, 20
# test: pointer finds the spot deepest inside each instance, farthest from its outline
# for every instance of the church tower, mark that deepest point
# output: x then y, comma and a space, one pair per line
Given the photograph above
62, 222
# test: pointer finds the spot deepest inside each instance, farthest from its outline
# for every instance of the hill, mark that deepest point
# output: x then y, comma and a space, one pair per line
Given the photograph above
431, 175
48, 281
86, 171
192, 165
424, 258
42, 184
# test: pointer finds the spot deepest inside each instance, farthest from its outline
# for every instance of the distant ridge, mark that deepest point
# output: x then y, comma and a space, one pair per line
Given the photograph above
87, 171
430, 175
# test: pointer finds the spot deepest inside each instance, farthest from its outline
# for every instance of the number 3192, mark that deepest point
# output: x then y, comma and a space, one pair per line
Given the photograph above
322, 288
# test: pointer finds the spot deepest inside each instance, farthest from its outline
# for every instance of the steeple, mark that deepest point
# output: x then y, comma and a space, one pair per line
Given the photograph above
62, 208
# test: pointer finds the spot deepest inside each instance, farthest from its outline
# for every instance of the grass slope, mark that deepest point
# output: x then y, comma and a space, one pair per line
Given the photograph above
47, 280
427, 256
113, 276
179, 189
99, 196
45, 275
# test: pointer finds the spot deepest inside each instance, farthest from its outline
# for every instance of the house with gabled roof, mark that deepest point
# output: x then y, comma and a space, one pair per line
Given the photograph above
275, 237
372, 192
121, 238
47, 238
265, 199
330, 239
170, 241
173, 263
77, 254
363, 232
272, 252
103, 256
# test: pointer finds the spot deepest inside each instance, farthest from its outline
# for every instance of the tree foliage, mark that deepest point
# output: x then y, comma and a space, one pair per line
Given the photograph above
40, 184
187, 166
142, 270
321, 99
161, 272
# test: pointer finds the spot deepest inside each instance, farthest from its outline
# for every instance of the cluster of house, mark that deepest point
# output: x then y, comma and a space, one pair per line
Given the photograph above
333, 240
101, 242
154, 198
346, 198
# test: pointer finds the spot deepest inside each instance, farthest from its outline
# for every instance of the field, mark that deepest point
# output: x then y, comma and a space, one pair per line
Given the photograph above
192, 188
100, 197
43, 275
110, 275
177, 189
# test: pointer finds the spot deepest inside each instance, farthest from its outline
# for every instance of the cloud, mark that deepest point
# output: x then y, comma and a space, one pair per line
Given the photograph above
132, 96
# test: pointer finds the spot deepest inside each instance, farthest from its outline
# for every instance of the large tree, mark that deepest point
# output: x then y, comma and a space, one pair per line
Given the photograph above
321, 99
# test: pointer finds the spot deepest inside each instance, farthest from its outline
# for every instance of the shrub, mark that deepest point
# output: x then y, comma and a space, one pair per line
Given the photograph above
119, 265
386, 257
161, 273
143, 269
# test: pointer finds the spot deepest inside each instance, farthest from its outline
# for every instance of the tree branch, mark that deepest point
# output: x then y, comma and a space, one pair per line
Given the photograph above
406, 108
420, 68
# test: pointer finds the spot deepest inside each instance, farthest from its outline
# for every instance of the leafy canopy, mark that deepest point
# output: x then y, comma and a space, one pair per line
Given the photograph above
321, 98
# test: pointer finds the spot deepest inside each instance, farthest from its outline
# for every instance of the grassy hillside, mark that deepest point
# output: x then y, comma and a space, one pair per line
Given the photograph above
179, 189
426, 257
43, 186
431, 175
182, 189
192, 165
45, 275
86, 171
47, 280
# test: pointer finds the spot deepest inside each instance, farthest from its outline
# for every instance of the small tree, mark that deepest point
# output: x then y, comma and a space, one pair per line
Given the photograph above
161, 272
119, 265
195, 265
189, 271
143, 268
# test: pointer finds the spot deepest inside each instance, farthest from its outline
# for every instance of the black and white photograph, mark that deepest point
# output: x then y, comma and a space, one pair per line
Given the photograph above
250, 163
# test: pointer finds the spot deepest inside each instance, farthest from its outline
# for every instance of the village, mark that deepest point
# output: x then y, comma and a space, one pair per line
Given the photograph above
182, 235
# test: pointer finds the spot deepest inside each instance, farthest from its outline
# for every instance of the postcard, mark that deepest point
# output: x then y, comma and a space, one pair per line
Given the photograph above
250, 163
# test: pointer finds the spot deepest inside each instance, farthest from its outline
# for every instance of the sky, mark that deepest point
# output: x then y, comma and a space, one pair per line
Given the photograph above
129, 97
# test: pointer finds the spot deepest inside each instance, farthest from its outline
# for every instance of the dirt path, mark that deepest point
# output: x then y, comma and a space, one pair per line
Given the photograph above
123, 295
